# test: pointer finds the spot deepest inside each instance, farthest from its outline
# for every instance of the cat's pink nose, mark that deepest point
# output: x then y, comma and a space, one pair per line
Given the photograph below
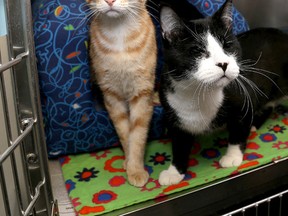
110, 2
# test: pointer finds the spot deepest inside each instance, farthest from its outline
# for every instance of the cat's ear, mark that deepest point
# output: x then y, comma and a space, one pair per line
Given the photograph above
225, 13
170, 23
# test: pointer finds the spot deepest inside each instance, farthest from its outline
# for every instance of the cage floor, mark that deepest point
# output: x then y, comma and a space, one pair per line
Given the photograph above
60, 193
97, 183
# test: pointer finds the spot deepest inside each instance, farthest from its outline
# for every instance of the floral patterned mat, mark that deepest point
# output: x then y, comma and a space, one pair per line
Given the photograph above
97, 184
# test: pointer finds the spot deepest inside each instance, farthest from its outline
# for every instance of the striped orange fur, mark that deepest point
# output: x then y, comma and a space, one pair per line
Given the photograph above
123, 55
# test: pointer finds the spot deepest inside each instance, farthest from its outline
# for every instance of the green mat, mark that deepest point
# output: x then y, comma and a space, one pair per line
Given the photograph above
97, 183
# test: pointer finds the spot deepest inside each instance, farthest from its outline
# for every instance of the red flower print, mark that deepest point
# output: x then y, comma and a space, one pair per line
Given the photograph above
276, 158
267, 137
285, 121
70, 185
89, 209
216, 164
181, 184
117, 181
193, 162
253, 134
165, 141
221, 142
101, 154
210, 153
108, 164
104, 196
252, 156
189, 175
161, 197
252, 145
75, 201
86, 174
151, 185
64, 160
196, 147
280, 145
277, 129
160, 158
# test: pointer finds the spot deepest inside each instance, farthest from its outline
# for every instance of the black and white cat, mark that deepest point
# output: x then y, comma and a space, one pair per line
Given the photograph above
212, 80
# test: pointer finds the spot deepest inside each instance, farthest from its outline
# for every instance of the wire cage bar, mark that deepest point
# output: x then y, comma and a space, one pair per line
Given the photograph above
25, 187
275, 205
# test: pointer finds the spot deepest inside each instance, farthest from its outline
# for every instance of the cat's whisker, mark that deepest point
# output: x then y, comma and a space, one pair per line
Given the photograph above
238, 83
253, 86
191, 83
194, 34
256, 62
264, 75
153, 3
227, 30
246, 61
259, 70
168, 72
133, 8
255, 90
247, 100
202, 86
89, 11
150, 7
132, 15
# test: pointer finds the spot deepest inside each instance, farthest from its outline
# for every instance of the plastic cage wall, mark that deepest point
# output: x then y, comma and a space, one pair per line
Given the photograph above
24, 178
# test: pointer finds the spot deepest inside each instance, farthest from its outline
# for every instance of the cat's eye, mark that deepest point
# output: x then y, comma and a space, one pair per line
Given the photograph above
198, 51
226, 43
195, 50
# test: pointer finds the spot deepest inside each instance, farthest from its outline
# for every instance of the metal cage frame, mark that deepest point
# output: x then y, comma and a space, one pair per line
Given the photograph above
24, 177
257, 205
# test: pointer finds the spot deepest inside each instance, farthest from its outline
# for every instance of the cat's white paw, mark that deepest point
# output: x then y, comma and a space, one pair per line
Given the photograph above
231, 160
233, 157
170, 176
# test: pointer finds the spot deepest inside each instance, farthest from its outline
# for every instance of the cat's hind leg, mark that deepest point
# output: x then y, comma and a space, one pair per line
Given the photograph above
261, 116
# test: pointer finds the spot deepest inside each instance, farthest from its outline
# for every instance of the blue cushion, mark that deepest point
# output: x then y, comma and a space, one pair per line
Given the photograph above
209, 7
72, 124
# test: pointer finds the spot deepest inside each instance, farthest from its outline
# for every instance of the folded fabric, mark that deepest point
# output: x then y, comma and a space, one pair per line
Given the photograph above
97, 183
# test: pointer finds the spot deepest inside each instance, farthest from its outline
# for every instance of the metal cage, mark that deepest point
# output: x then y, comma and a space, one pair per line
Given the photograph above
24, 178
275, 205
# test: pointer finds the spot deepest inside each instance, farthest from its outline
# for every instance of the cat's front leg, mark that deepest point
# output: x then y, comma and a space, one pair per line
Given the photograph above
141, 110
238, 134
181, 148
233, 156
118, 113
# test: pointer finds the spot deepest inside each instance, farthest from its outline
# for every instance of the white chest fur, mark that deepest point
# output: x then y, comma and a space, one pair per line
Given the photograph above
195, 107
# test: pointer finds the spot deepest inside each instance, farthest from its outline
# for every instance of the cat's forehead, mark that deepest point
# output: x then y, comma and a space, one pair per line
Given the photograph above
193, 31
204, 27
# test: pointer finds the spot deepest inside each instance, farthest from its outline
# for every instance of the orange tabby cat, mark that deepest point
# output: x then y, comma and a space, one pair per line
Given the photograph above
123, 55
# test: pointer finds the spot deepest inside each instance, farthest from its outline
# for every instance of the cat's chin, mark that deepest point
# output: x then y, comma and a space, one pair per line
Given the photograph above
113, 13
220, 83
223, 82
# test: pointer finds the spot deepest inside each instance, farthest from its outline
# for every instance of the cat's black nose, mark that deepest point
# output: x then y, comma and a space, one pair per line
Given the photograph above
222, 65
